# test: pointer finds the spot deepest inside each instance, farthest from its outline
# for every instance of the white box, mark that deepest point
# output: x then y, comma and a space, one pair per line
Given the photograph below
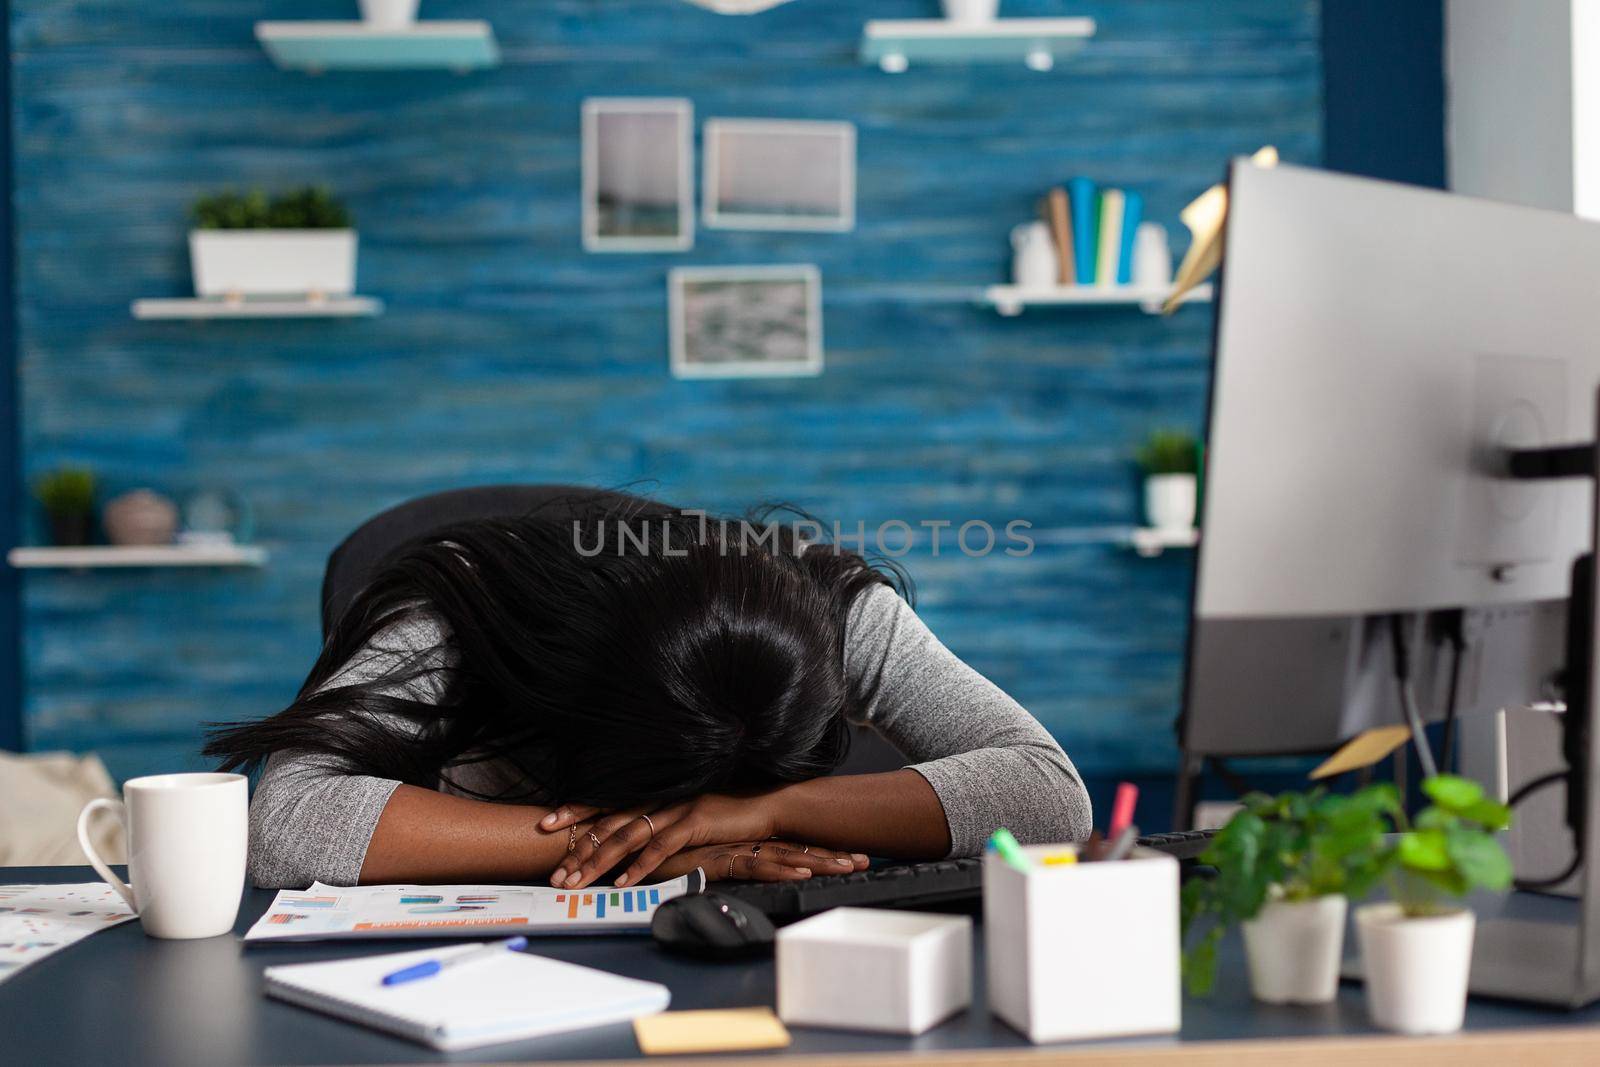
1083, 949
273, 262
898, 972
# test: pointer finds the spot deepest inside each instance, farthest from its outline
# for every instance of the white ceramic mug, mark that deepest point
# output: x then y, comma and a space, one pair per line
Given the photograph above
187, 837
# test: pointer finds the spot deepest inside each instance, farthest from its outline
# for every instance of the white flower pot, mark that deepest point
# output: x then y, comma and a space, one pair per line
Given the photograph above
389, 14
1169, 501
971, 11
1294, 950
273, 262
1416, 969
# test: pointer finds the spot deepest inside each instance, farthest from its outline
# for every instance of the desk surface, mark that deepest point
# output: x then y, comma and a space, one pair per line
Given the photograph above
121, 997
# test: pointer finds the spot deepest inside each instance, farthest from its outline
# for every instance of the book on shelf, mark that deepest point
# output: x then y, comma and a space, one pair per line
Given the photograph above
1085, 238
1097, 224
1061, 229
1110, 227
1132, 216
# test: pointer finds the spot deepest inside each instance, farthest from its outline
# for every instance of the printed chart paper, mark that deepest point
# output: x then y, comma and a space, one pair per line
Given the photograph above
36, 920
326, 912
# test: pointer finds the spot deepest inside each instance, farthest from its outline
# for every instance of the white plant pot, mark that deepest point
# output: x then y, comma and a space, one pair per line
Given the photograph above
273, 262
389, 14
1294, 950
971, 11
1169, 501
1416, 969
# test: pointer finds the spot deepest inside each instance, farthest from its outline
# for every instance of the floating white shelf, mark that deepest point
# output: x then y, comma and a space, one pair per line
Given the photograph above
1146, 541
195, 307
1011, 299
139, 556
895, 44
1152, 541
434, 44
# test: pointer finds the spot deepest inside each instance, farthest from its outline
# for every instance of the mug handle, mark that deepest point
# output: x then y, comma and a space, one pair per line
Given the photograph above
123, 889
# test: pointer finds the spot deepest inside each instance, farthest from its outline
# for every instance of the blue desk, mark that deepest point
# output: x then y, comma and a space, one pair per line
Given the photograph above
120, 997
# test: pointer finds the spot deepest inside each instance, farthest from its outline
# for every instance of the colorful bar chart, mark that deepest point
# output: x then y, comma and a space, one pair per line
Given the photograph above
595, 905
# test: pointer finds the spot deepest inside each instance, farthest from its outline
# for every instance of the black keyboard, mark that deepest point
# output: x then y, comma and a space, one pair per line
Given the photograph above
909, 885
1180, 844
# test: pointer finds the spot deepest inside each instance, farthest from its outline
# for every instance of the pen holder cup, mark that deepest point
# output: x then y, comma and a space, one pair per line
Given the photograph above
1083, 950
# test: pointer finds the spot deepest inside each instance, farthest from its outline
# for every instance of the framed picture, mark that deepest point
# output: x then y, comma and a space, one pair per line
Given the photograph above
638, 175
779, 175
745, 322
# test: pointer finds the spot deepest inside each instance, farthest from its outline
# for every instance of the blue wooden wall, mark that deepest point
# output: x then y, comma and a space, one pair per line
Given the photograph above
509, 354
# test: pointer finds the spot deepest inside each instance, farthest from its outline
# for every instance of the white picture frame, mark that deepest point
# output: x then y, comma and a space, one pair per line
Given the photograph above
779, 174
745, 322
638, 169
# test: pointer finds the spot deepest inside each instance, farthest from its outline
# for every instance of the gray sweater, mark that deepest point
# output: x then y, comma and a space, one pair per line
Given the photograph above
990, 762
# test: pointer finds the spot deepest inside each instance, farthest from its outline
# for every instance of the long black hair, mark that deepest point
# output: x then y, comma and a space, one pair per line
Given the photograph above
614, 658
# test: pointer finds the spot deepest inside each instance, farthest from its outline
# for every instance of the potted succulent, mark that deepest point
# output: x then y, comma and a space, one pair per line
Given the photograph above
297, 244
1286, 866
1170, 460
67, 497
1416, 950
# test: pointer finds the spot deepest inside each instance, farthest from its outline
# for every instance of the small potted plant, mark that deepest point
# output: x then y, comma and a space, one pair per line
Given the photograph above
67, 497
1416, 950
297, 244
1286, 865
1170, 460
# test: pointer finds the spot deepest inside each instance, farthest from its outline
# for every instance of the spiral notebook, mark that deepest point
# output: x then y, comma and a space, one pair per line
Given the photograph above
507, 998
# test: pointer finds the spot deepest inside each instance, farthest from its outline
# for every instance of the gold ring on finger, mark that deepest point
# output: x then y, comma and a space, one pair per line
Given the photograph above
572, 839
650, 824
731, 858
593, 840
805, 851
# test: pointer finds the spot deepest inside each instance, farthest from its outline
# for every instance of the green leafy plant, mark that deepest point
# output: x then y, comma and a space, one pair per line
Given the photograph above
66, 492
1449, 849
310, 208
1169, 452
1291, 847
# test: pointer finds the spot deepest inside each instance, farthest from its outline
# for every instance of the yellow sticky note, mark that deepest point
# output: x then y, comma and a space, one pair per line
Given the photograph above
733, 1030
1363, 750
1205, 216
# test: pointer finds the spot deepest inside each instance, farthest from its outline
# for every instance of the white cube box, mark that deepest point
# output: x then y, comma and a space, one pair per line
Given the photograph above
1083, 950
899, 972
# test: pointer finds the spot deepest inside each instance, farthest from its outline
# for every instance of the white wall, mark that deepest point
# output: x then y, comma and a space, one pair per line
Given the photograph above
1508, 109
1586, 107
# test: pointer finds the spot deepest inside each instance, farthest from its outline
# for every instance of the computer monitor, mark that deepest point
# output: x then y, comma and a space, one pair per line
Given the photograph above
1379, 351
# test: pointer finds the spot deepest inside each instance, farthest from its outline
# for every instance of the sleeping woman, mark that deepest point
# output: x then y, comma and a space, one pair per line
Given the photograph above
633, 692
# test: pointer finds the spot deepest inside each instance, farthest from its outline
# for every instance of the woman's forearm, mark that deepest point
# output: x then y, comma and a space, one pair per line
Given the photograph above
896, 814
426, 836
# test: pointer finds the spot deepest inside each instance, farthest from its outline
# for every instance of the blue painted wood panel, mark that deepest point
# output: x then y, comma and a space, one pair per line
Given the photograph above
509, 354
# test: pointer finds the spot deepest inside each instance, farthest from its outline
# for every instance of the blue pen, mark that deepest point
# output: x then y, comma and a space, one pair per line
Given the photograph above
428, 968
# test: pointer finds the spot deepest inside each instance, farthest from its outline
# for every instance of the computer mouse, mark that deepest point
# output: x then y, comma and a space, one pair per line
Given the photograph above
712, 926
